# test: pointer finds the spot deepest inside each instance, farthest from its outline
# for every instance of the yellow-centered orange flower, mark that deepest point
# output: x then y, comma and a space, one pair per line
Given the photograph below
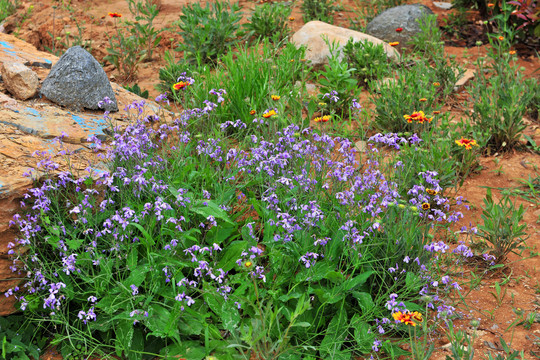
114, 15
252, 112
501, 38
180, 85
423, 100
407, 317
512, 52
466, 143
275, 97
291, 18
394, 43
436, 83
324, 118
417, 116
269, 114
248, 264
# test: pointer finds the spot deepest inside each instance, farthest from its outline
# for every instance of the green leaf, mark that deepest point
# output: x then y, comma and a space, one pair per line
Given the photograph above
147, 240
351, 283
364, 339
231, 254
211, 209
335, 335
124, 336
230, 316
365, 301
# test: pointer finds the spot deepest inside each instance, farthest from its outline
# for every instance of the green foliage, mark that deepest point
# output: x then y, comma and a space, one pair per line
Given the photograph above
250, 77
7, 7
338, 79
502, 228
428, 41
369, 60
145, 12
208, 32
500, 97
462, 347
19, 339
137, 90
270, 20
396, 98
321, 10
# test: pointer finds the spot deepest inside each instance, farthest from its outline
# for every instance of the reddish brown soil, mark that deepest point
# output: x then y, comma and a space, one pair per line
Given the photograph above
520, 278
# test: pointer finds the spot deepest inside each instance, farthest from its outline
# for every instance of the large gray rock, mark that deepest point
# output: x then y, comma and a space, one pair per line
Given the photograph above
385, 24
313, 35
19, 80
78, 81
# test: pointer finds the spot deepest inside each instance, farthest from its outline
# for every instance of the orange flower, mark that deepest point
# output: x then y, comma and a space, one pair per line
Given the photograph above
291, 18
252, 112
436, 84
490, 5
501, 38
417, 116
423, 100
248, 264
436, 112
398, 30
276, 97
407, 317
432, 192
180, 85
512, 52
114, 15
425, 206
394, 43
269, 114
324, 118
467, 143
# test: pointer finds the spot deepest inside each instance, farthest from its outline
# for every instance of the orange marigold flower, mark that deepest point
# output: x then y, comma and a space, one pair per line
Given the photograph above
398, 30
423, 100
467, 143
425, 206
490, 5
324, 118
276, 97
417, 316
269, 114
291, 18
432, 192
512, 52
180, 85
436, 83
501, 38
114, 15
394, 43
252, 112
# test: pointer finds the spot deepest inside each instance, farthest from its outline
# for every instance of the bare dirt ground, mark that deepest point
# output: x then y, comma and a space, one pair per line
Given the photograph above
498, 314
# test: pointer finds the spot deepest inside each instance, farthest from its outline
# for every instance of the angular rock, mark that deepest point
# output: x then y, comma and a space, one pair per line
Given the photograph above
78, 81
384, 25
19, 80
313, 33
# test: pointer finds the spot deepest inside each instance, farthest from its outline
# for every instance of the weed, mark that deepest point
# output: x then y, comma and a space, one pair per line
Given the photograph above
7, 7
137, 91
462, 344
369, 60
208, 32
501, 226
145, 12
270, 20
321, 10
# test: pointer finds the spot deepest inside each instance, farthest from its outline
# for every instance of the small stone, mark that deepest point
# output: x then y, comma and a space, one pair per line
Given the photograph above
19, 80
464, 79
77, 81
443, 5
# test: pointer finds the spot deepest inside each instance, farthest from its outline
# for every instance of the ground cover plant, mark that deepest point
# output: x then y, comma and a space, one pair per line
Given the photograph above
256, 220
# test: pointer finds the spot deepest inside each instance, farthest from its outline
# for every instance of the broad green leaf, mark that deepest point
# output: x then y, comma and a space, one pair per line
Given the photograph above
335, 335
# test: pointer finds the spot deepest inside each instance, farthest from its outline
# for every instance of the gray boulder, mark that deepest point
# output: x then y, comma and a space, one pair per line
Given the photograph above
384, 25
78, 81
